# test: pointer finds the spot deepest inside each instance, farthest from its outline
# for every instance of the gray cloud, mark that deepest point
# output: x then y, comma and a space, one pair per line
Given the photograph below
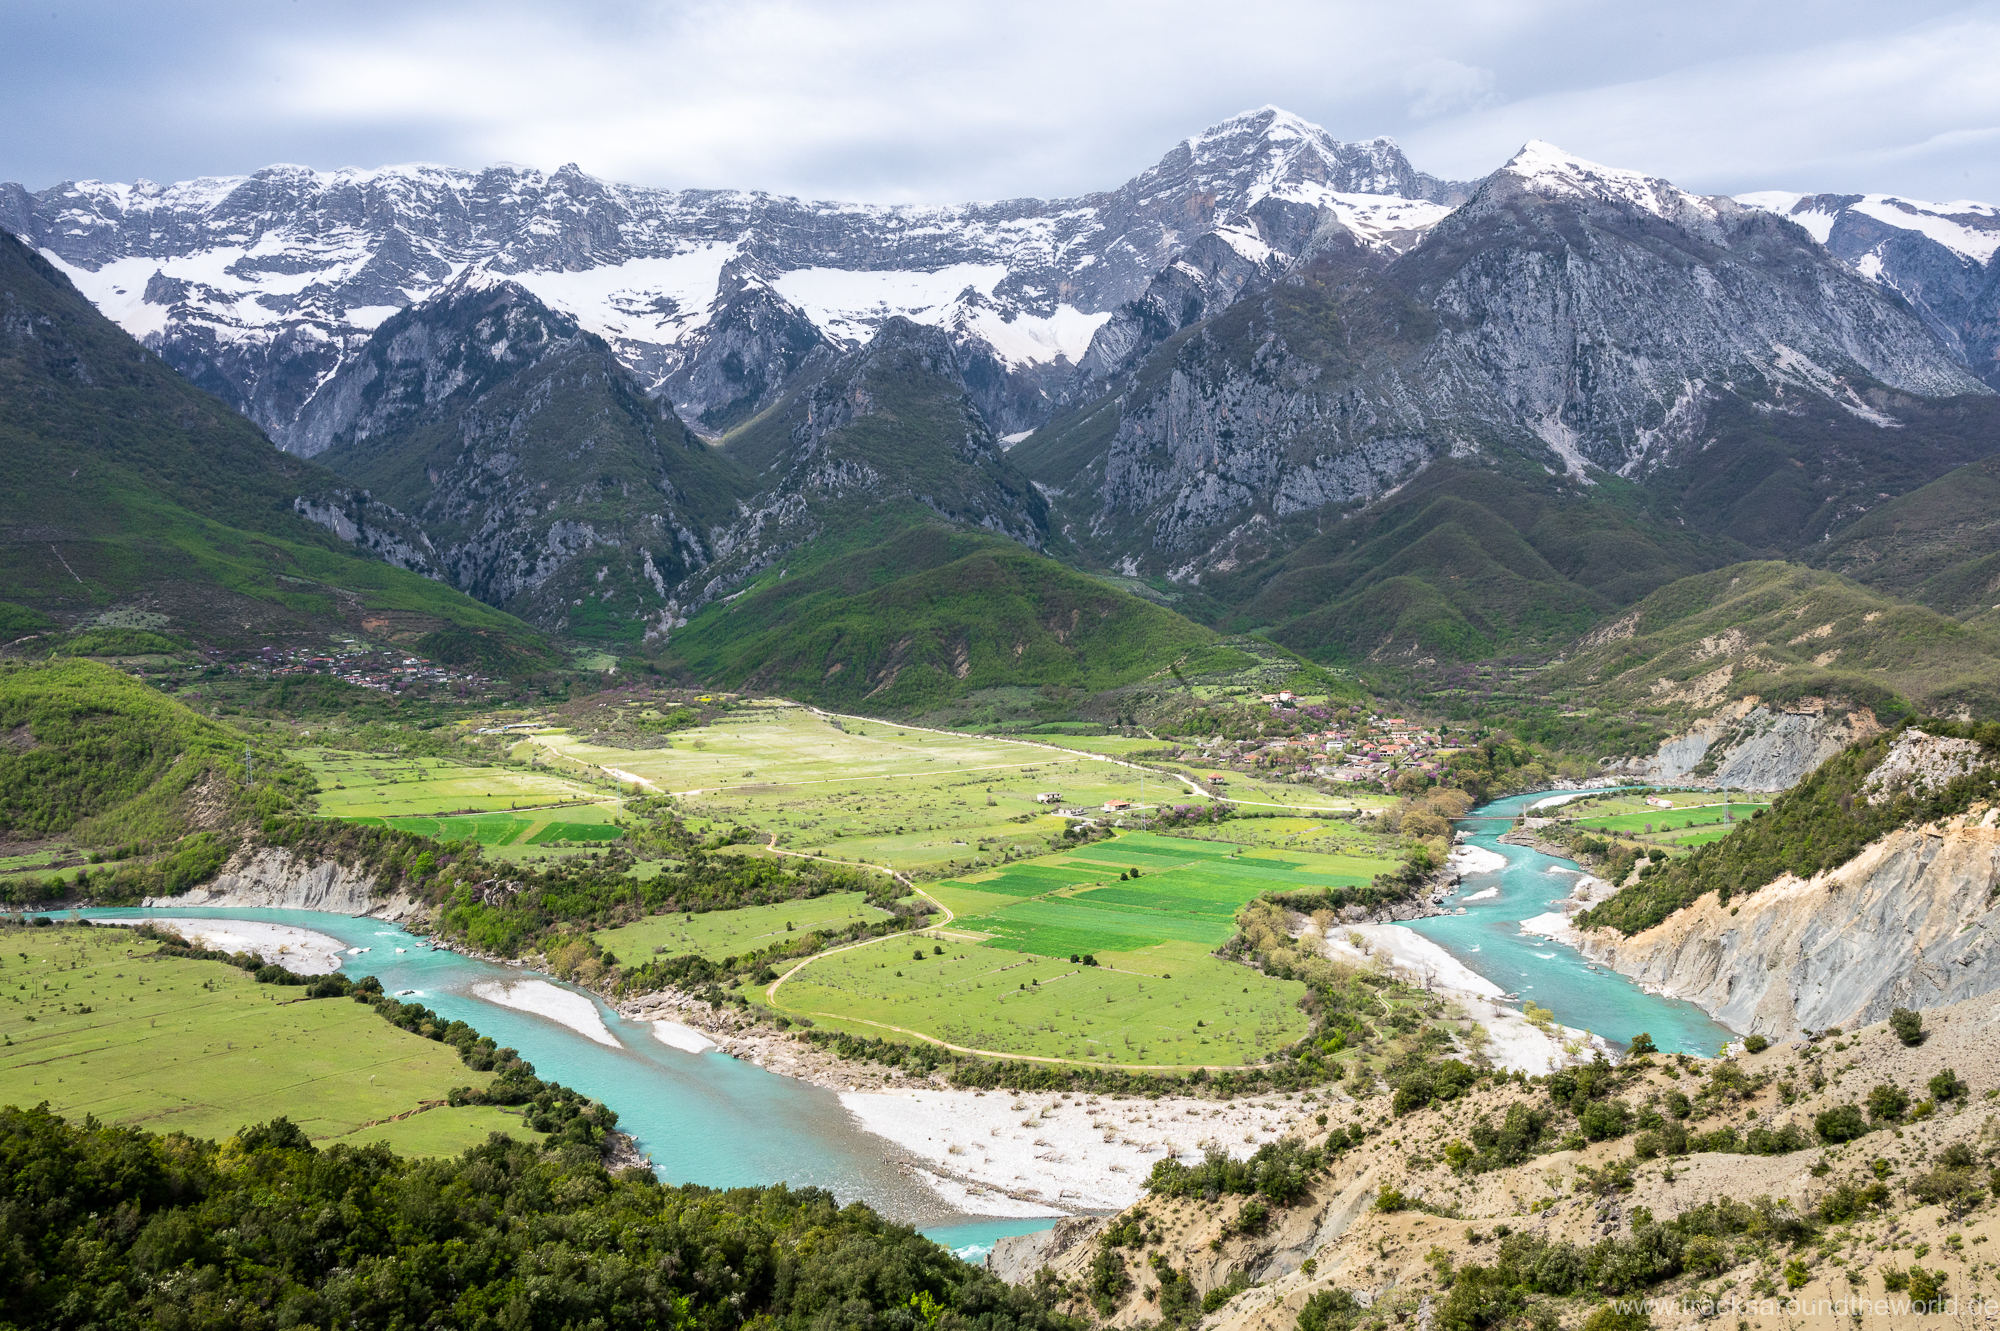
899, 100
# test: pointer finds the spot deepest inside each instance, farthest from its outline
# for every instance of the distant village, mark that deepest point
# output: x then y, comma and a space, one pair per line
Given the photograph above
371, 668
1376, 750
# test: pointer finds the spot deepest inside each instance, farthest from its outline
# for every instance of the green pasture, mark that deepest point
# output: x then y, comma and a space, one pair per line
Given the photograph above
512, 810
1152, 934
445, 1131
94, 1025
728, 933
390, 786
1689, 840
1136, 1008
1668, 820
1185, 891
871, 790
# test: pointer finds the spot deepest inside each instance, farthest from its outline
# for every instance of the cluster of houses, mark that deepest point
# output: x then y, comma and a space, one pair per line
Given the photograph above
371, 668
1375, 751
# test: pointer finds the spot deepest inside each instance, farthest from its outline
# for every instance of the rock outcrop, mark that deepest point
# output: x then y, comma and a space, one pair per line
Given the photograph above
1750, 746
273, 877
1910, 922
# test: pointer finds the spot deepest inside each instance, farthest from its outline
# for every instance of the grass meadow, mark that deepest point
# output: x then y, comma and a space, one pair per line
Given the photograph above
1149, 909
728, 933
506, 810
888, 794
93, 1025
1166, 1005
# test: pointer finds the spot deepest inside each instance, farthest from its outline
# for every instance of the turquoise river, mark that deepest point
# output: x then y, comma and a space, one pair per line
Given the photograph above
708, 1118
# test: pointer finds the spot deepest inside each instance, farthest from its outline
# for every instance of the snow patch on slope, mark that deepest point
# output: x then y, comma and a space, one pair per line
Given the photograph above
1551, 172
1966, 227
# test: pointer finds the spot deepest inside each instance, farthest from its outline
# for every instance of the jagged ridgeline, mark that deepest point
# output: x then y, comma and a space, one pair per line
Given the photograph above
545, 480
905, 555
1474, 444
127, 487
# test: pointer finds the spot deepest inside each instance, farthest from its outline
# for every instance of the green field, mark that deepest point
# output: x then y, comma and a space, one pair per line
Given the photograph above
1668, 820
93, 1025
1187, 891
1139, 1009
871, 790
502, 808
1152, 935
728, 933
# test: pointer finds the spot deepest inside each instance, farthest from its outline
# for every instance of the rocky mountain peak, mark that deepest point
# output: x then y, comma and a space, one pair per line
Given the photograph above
1544, 169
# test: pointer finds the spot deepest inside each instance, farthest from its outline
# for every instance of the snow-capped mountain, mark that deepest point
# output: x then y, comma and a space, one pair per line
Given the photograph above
1574, 315
1937, 256
260, 288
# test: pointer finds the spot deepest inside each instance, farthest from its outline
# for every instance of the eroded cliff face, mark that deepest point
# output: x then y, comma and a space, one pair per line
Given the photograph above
1750, 746
1910, 922
274, 877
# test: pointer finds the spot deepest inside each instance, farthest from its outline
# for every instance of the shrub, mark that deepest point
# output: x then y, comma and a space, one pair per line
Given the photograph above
1328, 1310
1887, 1103
1842, 1123
1908, 1026
1755, 1044
1947, 1086
1605, 1119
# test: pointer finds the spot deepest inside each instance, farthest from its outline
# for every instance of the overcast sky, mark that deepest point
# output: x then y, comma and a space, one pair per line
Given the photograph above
921, 100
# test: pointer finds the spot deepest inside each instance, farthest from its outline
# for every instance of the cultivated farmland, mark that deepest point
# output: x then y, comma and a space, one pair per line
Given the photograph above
857, 789
507, 810
723, 933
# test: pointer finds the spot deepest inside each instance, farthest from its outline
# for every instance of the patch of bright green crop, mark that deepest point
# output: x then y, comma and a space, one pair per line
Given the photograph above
198, 1046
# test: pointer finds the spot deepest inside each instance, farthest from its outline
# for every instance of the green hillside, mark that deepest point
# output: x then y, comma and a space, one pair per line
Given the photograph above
89, 753
905, 613
1464, 563
1939, 545
1781, 631
126, 488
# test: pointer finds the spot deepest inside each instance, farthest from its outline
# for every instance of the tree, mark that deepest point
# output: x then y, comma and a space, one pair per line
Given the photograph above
1642, 1043
1887, 1103
1842, 1123
1908, 1026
